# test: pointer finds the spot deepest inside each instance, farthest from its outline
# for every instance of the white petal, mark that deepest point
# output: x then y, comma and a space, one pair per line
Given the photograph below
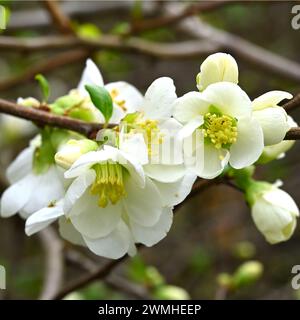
135, 146
143, 205
274, 123
91, 76
217, 67
114, 246
69, 233
228, 98
50, 188
159, 99
190, 127
152, 235
17, 195
249, 145
165, 173
93, 221
174, 193
77, 189
282, 199
125, 96
21, 166
117, 115
190, 106
42, 218
270, 99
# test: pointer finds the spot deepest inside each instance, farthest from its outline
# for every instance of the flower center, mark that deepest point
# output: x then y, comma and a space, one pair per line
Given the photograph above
109, 183
149, 128
114, 93
221, 130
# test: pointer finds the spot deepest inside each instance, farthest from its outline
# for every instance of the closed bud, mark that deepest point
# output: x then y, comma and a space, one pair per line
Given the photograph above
168, 292
248, 273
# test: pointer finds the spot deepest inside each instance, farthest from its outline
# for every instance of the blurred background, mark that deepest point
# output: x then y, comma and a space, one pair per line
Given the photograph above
212, 233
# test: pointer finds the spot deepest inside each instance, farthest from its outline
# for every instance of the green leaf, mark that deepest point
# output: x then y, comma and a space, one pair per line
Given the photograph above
101, 100
44, 86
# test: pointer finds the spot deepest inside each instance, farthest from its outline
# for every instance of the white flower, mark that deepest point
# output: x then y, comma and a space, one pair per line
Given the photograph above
126, 98
112, 204
272, 118
227, 131
29, 192
217, 67
274, 213
277, 151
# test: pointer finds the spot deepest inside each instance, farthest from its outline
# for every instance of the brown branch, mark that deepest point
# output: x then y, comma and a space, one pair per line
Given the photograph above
98, 274
46, 118
61, 21
54, 263
46, 66
244, 49
167, 20
292, 104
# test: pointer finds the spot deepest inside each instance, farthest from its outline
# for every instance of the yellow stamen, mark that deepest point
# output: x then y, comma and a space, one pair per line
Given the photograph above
221, 130
121, 103
109, 183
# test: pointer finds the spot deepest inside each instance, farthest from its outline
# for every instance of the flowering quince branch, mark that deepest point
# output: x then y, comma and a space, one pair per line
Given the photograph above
43, 117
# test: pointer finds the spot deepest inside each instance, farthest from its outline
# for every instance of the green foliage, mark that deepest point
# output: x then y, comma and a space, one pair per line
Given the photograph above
101, 100
244, 250
87, 30
44, 85
201, 261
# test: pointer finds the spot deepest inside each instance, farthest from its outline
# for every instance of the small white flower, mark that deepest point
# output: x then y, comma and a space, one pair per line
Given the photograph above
217, 67
219, 128
29, 192
274, 213
126, 98
272, 118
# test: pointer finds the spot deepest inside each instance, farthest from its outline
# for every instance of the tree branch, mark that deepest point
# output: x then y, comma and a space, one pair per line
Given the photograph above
54, 263
61, 21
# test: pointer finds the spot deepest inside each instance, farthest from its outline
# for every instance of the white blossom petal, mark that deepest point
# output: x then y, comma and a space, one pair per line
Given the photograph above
274, 123
42, 218
90, 76
159, 99
77, 189
190, 106
228, 98
69, 233
270, 99
114, 246
249, 145
165, 173
93, 221
152, 235
174, 193
143, 205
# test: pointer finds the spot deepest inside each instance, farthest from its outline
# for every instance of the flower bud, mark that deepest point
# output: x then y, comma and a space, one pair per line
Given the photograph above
216, 68
28, 102
168, 292
273, 210
248, 273
277, 151
72, 150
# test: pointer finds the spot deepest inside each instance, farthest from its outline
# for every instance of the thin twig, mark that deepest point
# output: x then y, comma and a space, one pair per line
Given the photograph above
61, 21
48, 65
292, 104
54, 263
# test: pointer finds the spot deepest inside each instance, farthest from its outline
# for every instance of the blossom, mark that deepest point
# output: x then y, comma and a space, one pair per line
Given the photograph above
218, 128
29, 191
274, 212
217, 67
126, 98
272, 118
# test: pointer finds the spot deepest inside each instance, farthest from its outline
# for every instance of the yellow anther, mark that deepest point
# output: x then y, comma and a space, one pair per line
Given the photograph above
121, 103
221, 130
109, 183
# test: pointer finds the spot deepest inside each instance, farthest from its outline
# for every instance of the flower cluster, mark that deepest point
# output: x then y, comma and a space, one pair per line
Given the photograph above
120, 189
